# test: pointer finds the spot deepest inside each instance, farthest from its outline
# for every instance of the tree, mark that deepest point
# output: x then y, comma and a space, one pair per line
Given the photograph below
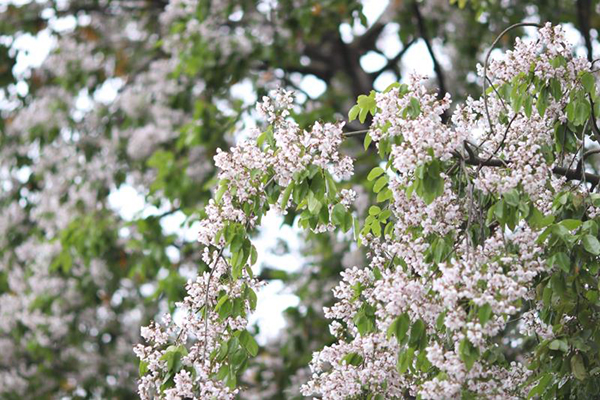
482, 252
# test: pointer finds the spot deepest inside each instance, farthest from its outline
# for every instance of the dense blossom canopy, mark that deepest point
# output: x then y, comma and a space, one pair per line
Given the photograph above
464, 204
452, 253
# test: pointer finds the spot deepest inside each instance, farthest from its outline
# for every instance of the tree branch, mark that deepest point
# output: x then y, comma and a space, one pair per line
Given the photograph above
436, 65
368, 40
392, 62
570, 174
485, 68
584, 10
351, 64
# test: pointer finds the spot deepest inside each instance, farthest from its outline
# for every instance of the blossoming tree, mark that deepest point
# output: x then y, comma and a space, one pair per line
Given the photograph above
483, 245
460, 240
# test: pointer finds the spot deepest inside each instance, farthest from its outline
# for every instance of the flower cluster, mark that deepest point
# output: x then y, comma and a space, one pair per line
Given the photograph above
215, 309
421, 319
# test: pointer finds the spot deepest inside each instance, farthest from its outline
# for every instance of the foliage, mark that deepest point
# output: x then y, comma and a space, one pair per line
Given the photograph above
430, 315
499, 194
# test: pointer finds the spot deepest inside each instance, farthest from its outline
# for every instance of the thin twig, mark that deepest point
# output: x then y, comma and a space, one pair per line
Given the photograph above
355, 133
485, 66
590, 153
392, 62
210, 275
495, 152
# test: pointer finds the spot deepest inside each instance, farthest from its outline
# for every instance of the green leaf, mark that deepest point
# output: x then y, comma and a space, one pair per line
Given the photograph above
237, 264
537, 220
173, 356
577, 367
592, 296
415, 107
223, 372
352, 359
338, 214
562, 261
517, 100
381, 182
591, 244
375, 172
365, 320
556, 89
252, 299
286, 195
468, 353
221, 301
384, 215
405, 360
384, 195
314, 205
353, 113
368, 140
231, 381
590, 226
356, 229
237, 242
559, 344
558, 61
261, 139
367, 102
391, 86
571, 111
399, 327
571, 224
484, 313
143, 367
331, 186
542, 102
222, 352
376, 228
223, 185
347, 224
248, 343
317, 185
528, 105
374, 210
300, 192
540, 388
362, 116
416, 333
588, 82
512, 197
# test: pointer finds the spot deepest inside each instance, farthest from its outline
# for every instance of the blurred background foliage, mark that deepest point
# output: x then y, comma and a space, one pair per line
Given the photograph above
102, 99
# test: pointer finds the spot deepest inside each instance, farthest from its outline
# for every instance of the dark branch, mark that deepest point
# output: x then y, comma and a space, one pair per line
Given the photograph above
362, 82
485, 67
436, 65
595, 129
393, 62
584, 10
367, 42
570, 174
